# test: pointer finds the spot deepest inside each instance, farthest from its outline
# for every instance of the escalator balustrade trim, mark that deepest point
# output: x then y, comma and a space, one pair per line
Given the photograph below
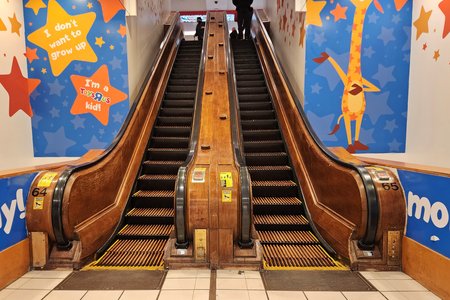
284, 232
149, 219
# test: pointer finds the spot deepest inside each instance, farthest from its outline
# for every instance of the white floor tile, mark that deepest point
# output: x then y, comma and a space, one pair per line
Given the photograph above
140, 295
363, 296
404, 285
232, 295
314, 295
230, 274
202, 284
385, 275
286, 295
203, 273
102, 295
25, 294
231, 284
410, 296
66, 295
4, 293
252, 274
257, 295
18, 283
41, 283
182, 274
176, 295
254, 284
48, 274
179, 284
201, 295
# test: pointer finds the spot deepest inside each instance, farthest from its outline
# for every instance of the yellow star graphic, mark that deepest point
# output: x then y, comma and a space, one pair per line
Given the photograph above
64, 37
89, 5
313, 10
15, 25
422, 22
99, 41
111, 47
35, 5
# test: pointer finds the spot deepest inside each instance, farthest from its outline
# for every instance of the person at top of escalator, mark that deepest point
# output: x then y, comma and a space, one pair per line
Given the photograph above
199, 29
244, 14
233, 34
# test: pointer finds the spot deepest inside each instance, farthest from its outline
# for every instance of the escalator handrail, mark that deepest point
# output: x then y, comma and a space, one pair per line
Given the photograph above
181, 182
62, 241
367, 242
245, 240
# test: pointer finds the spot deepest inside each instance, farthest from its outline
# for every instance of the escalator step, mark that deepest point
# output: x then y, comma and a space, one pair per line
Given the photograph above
266, 159
161, 167
251, 83
151, 212
155, 182
174, 121
154, 199
258, 115
146, 231
266, 173
251, 90
285, 188
182, 82
277, 256
259, 124
264, 146
248, 71
262, 135
244, 106
178, 103
169, 142
249, 77
176, 112
182, 88
172, 131
287, 237
280, 220
246, 65
276, 201
191, 75
256, 97
173, 154
180, 95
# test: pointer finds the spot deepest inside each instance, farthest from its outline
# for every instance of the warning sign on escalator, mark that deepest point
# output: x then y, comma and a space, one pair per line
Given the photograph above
226, 196
198, 176
226, 179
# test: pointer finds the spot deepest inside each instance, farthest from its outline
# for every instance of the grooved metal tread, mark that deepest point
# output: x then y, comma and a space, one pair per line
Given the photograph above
269, 168
146, 230
158, 177
151, 212
280, 220
288, 237
274, 183
276, 201
151, 194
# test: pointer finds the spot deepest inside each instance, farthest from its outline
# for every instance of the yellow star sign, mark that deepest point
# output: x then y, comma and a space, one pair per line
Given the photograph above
35, 5
99, 41
64, 37
313, 10
422, 22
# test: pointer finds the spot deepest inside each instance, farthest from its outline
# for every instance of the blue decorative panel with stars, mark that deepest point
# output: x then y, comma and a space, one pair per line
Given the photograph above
78, 51
357, 72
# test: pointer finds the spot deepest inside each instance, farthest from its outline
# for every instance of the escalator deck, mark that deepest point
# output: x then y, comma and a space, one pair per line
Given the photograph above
278, 214
149, 221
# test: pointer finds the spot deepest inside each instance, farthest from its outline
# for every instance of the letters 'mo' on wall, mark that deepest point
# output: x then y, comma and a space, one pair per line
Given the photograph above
13, 194
428, 210
77, 49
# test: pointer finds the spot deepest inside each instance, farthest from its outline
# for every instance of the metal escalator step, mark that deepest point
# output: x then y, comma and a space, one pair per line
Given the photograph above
255, 106
169, 142
252, 90
154, 199
248, 58
151, 212
266, 159
279, 256
254, 97
246, 65
146, 231
262, 135
161, 167
276, 201
174, 121
192, 75
267, 173
180, 89
288, 237
172, 131
259, 124
248, 71
251, 83
249, 77
182, 82
178, 103
273, 188
263, 146
156, 182
173, 154
258, 115
180, 95
134, 253
280, 220
276, 205
176, 112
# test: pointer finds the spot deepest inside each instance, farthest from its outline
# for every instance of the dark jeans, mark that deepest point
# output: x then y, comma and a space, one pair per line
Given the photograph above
244, 22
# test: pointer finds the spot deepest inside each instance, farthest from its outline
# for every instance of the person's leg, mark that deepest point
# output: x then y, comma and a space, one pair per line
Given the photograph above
241, 21
247, 24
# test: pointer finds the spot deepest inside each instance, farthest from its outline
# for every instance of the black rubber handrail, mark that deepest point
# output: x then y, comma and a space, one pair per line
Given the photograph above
245, 238
181, 183
62, 241
367, 242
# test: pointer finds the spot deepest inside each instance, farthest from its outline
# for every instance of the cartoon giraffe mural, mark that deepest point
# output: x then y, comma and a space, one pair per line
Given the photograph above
353, 98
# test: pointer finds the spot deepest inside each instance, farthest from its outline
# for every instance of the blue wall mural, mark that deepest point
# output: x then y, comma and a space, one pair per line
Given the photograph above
13, 196
428, 206
77, 49
357, 67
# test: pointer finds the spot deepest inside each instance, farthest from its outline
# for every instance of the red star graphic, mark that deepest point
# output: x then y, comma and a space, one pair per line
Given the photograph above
445, 7
31, 54
19, 89
95, 95
110, 8
424, 46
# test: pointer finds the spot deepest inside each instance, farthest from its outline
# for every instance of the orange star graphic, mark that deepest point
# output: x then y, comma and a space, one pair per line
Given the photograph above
422, 22
15, 25
424, 46
19, 89
64, 37
31, 54
122, 30
436, 55
35, 5
2, 26
445, 8
313, 10
339, 12
110, 8
44, 71
95, 95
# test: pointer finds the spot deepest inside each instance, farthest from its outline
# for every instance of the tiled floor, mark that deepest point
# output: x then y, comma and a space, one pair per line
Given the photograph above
230, 285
